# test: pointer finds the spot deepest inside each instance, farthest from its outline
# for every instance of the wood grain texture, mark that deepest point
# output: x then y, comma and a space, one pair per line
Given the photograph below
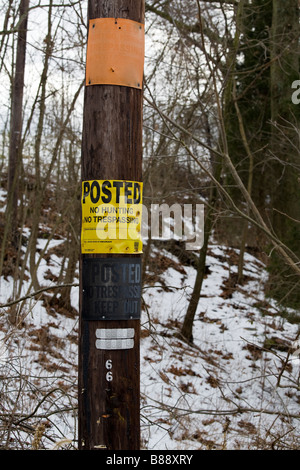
112, 133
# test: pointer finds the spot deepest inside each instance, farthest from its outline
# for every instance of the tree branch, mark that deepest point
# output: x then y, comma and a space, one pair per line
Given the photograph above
34, 294
258, 221
185, 27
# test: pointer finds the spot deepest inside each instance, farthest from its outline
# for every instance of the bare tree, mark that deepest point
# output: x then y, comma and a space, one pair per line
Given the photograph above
16, 122
221, 50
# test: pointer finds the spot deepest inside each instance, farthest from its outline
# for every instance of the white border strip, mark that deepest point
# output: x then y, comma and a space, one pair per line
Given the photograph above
116, 333
111, 344
114, 338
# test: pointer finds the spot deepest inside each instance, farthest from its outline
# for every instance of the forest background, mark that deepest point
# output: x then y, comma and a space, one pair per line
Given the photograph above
221, 128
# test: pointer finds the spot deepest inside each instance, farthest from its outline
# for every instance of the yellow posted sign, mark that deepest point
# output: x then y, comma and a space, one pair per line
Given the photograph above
111, 216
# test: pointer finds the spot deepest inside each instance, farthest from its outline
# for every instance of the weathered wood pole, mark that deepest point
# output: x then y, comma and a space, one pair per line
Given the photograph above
109, 363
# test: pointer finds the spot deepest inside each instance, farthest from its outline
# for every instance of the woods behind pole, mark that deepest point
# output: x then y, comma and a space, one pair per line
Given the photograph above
110, 262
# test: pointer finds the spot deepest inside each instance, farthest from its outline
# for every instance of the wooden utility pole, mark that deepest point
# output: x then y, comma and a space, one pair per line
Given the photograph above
110, 270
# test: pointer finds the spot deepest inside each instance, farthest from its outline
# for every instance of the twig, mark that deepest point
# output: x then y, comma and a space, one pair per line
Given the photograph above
34, 294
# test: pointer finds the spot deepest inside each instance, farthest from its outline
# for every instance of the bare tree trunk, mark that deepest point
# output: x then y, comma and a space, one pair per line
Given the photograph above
187, 327
38, 185
15, 143
16, 121
15, 150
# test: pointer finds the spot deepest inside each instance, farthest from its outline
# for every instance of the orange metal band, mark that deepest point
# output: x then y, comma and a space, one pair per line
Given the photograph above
115, 52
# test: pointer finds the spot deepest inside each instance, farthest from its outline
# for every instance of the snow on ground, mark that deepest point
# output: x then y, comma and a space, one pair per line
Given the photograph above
228, 390
189, 392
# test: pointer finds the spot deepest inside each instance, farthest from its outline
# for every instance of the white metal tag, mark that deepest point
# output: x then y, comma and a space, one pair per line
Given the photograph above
115, 338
